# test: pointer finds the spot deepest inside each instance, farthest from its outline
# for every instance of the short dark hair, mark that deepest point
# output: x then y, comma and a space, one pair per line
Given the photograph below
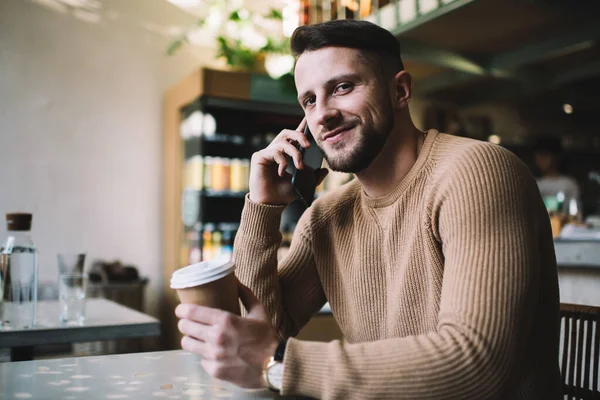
548, 144
361, 35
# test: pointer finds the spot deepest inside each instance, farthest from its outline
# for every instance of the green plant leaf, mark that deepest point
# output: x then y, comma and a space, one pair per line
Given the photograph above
175, 45
235, 16
275, 14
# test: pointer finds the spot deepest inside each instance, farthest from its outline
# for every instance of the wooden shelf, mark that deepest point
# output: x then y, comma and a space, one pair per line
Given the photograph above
223, 138
253, 106
223, 193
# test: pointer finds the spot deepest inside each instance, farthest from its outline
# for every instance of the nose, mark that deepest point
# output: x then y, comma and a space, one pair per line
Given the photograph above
327, 114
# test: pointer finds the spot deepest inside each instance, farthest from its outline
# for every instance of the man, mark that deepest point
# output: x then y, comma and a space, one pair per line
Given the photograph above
548, 154
437, 260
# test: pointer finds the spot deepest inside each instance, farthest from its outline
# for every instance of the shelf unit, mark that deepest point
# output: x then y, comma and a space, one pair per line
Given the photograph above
242, 121
217, 166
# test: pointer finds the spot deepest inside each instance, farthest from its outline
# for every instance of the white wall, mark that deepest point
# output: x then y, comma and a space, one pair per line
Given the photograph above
80, 127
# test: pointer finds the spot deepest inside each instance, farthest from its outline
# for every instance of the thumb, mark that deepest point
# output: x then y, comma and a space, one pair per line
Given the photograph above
255, 308
320, 175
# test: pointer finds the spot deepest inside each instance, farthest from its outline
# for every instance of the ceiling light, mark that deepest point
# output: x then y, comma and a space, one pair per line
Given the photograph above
94, 4
87, 16
494, 139
186, 4
53, 5
567, 108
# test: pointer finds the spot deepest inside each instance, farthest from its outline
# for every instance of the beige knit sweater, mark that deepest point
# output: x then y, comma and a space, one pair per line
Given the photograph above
446, 288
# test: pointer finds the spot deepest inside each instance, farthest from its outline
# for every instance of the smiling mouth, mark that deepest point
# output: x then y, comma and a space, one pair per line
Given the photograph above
336, 135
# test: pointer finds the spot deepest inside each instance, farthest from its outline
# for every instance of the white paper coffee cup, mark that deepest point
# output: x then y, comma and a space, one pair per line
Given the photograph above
208, 283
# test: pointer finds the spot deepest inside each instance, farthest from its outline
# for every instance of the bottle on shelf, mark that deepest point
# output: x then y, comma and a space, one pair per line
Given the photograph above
216, 238
209, 125
194, 173
208, 172
226, 166
218, 174
192, 125
195, 122
195, 250
227, 247
246, 174
237, 175
574, 212
207, 244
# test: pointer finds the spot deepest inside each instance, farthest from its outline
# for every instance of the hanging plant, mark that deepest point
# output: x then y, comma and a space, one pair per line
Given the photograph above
245, 40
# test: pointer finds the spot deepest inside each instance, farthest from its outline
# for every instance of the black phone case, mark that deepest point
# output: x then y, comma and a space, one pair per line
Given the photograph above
304, 181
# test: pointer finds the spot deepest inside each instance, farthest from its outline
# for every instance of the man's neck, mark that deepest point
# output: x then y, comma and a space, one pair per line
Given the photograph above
393, 163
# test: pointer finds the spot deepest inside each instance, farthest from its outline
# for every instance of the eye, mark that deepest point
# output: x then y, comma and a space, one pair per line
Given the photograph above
308, 101
343, 87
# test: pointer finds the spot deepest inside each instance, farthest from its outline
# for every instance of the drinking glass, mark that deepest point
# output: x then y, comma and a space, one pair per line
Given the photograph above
72, 286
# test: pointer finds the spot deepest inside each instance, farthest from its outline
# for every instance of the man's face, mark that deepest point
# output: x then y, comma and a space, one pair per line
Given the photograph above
545, 161
347, 104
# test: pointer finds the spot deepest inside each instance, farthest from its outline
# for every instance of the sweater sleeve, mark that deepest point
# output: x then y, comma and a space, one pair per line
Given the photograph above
487, 220
291, 292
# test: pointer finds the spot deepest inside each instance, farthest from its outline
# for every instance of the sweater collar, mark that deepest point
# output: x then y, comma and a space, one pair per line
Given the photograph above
394, 195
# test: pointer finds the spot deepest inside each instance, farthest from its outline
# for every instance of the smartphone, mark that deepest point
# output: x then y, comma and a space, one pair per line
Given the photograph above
304, 180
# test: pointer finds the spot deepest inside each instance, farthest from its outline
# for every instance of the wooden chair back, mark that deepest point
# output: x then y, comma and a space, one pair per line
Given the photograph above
580, 350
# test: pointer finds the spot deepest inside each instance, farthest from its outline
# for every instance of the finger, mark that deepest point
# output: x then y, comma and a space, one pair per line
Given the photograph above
202, 315
295, 136
201, 332
254, 306
280, 159
320, 175
205, 350
293, 152
302, 125
277, 153
195, 346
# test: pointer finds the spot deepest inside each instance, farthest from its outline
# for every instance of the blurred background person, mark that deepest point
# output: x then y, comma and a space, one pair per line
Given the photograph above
553, 183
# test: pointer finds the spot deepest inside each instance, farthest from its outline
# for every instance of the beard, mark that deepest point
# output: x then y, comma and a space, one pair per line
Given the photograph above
371, 140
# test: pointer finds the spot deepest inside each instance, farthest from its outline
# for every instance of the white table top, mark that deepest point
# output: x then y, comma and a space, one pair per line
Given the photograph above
105, 320
159, 375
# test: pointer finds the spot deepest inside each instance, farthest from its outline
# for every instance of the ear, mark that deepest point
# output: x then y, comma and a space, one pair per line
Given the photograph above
403, 89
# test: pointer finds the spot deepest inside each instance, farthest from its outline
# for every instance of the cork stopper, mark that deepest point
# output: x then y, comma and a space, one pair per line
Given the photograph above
18, 221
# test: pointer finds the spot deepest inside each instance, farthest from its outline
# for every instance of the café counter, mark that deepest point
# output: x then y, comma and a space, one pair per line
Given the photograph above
578, 270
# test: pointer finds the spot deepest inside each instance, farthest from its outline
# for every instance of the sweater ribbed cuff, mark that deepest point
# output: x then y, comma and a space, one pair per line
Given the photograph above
305, 368
260, 220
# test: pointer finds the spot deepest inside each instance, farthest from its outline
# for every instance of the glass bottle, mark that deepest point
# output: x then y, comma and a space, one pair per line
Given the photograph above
574, 214
207, 245
227, 248
18, 274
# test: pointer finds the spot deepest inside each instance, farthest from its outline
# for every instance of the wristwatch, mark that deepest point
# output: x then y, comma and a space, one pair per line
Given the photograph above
273, 371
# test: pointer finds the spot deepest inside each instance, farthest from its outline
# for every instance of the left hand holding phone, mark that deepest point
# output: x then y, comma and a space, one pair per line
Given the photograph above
269, 181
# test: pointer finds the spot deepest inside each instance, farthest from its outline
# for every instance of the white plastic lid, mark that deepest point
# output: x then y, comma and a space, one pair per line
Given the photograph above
201, 273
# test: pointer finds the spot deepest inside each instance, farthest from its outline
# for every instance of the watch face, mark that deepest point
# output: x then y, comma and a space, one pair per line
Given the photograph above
275, 375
